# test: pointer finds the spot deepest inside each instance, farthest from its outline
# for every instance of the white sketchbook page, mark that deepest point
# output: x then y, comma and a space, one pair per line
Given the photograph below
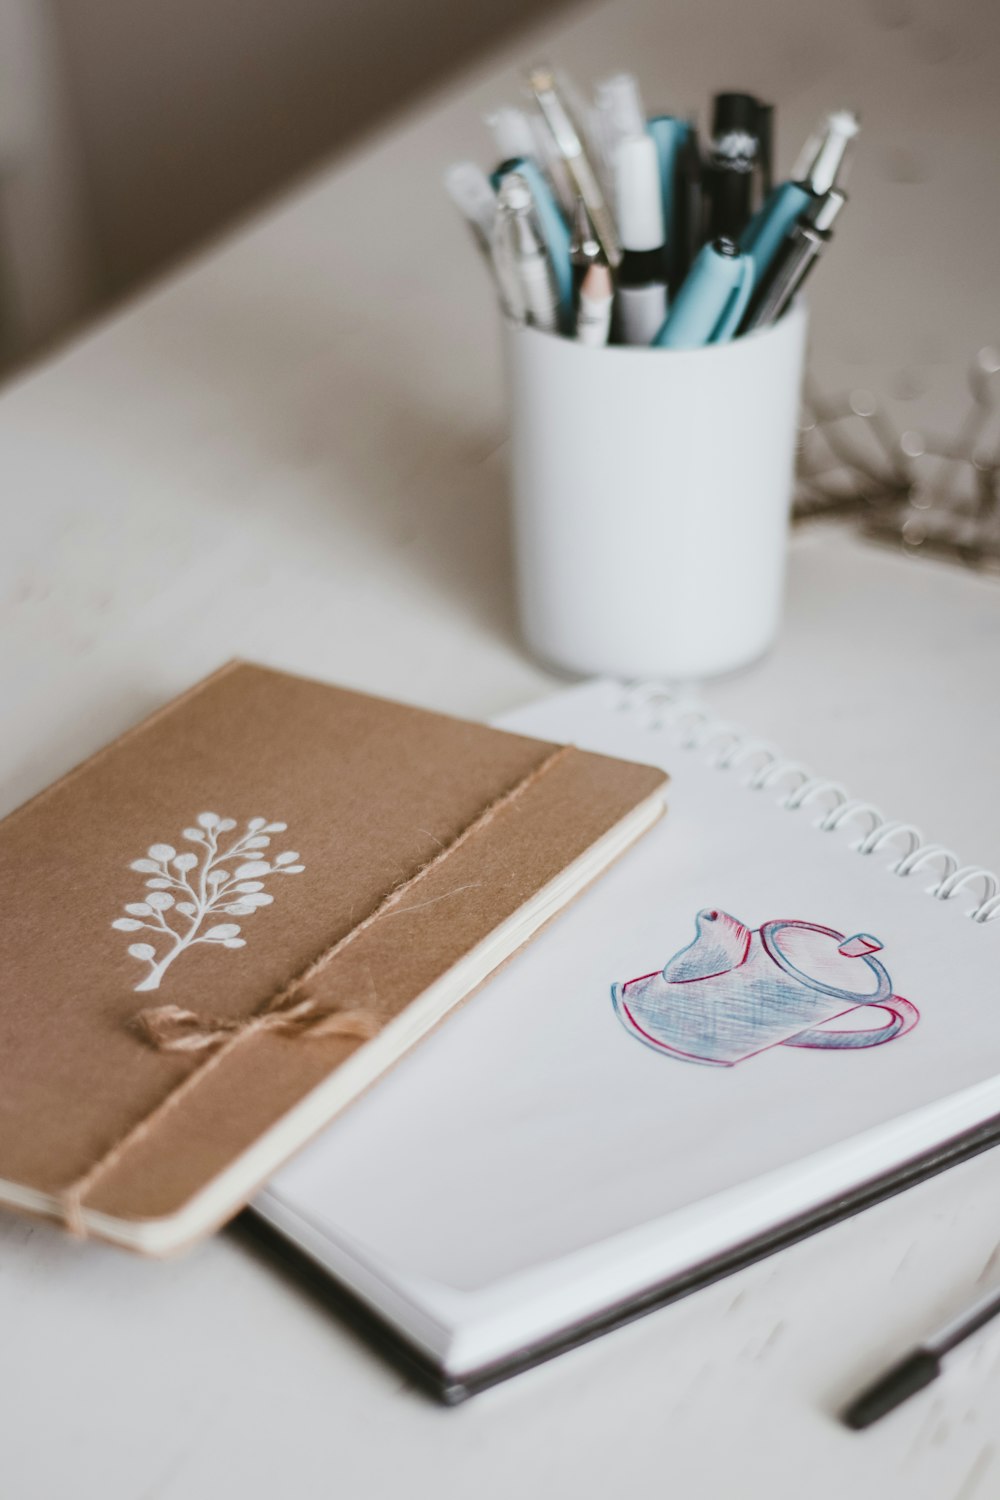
532, 1125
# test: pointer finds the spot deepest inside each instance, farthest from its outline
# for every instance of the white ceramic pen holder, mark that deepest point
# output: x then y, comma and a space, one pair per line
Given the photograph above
651, 496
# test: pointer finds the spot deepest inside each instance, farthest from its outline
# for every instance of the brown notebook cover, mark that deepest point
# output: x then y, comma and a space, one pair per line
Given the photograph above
222, 927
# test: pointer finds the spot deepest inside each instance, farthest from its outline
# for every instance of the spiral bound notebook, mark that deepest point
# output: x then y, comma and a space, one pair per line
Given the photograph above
777, 1008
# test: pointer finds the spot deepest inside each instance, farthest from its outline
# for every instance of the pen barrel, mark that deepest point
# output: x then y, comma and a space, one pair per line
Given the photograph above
650, 498
730, 198
670, 137
593, 323
538, 290
803, 253
765, 235
641, 296
639, 312
732, 163
708, 306
553, 230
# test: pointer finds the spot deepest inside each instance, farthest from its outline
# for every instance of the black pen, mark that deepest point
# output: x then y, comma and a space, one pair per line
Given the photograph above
733, 160
765, 157
920, 1367
688, 212
801, 250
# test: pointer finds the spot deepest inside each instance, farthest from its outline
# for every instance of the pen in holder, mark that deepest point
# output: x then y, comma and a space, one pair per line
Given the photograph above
651, 496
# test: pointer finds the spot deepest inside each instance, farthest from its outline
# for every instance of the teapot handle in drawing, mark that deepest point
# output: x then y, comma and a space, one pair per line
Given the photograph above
904, 1017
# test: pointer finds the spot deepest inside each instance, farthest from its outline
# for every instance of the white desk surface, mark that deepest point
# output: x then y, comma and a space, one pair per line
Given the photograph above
293, 452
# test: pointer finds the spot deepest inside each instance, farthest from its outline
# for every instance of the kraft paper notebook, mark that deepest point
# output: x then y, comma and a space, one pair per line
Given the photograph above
773, 1010
223, 927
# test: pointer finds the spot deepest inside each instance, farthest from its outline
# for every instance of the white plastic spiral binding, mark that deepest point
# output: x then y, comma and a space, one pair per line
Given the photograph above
730, 748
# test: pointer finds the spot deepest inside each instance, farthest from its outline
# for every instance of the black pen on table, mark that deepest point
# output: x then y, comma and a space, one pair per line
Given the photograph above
920, 1367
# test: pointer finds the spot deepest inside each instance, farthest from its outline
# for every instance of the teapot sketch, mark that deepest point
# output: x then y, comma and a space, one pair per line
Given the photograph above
735, 991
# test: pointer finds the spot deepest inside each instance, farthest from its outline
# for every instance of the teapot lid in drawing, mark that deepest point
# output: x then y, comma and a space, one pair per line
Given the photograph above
836, 965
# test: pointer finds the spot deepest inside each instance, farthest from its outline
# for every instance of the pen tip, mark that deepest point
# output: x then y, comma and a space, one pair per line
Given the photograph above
597, 284
845, 121
541, 77
903, 1380
515, 193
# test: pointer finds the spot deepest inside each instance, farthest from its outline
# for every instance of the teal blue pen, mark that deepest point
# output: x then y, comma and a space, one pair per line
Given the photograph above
677, 150
553, 229
816, 173
771, 225
712, 300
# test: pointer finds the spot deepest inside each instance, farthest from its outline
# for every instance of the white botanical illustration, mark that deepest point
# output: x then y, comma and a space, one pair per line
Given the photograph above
185, 890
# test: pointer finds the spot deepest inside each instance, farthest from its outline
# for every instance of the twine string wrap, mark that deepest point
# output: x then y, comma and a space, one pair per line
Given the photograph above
173, 1029
292, 1011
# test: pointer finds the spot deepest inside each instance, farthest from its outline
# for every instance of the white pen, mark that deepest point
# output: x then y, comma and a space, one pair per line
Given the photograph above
618, 114
512, 133
593, 315
642, 276
472, 193
524, 271
519, 135
826, 169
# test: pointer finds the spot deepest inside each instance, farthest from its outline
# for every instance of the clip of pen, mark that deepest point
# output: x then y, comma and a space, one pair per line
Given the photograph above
712, 300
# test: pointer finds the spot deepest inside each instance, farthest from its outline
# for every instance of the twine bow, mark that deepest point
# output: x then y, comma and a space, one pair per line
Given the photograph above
170, 1028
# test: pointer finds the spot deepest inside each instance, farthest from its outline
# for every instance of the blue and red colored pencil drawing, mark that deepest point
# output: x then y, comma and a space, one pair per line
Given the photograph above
736, 991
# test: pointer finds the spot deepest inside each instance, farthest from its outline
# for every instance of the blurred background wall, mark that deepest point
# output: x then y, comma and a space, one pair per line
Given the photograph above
48, 265
132, 130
